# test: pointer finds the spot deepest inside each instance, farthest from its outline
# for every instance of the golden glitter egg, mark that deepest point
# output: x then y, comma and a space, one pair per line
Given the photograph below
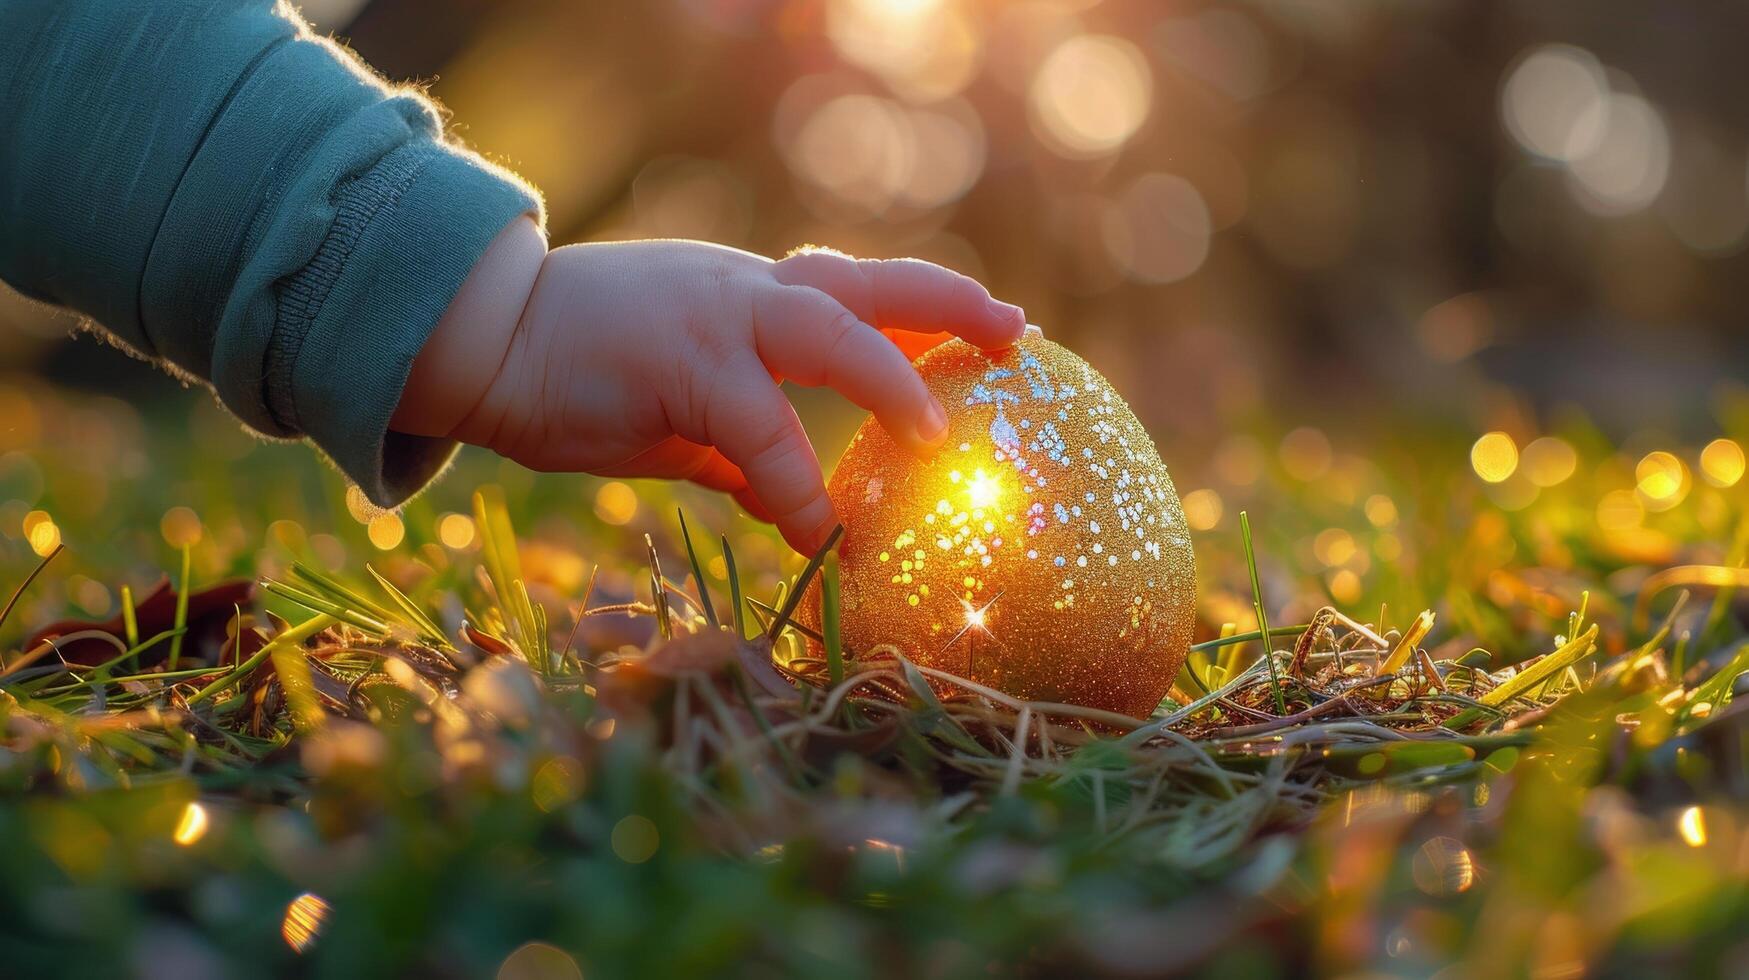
1042, 551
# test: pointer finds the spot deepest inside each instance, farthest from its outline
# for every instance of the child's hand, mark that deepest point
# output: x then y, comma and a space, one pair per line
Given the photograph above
662, 359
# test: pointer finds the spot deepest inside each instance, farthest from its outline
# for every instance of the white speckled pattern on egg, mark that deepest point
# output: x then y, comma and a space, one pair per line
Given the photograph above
1042, 551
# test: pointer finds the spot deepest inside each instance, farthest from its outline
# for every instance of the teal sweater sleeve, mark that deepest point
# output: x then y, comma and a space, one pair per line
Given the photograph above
245, 203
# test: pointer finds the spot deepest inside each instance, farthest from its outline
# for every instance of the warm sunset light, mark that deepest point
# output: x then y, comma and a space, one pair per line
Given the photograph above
551, 489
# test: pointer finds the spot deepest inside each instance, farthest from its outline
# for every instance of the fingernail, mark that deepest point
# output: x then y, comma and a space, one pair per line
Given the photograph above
932, 428
1006, 312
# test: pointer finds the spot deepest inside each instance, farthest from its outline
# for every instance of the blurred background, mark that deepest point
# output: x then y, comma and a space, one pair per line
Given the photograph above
1306, 240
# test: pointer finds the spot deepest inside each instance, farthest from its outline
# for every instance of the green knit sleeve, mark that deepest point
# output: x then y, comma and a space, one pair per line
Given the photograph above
246, 204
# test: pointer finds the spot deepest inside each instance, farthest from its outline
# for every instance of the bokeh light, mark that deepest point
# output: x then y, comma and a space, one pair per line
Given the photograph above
635, 839
1090, 96
1381, 511
1334, 546
1551, 99
192, 826
1691, 826
1549, 461
1627, 167
386, 531
1443, 866
1620, 510
558, 782
1203, 509
1240, 459
1306, 453
539, 961
1662, 479
924, 50
456, 531
1345, 585
858, 148
1722, 462
41, 532
1494, 457
1159, 230
181, 527
616, 502
303, 922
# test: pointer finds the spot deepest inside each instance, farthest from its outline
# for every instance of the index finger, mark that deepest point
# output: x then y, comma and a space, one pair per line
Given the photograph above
907, 294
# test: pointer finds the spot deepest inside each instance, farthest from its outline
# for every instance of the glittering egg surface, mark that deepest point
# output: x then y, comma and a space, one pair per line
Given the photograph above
1042, 551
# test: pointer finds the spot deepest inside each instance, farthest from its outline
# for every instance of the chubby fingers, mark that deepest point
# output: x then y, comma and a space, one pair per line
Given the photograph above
755, 428
907, 294
809, 337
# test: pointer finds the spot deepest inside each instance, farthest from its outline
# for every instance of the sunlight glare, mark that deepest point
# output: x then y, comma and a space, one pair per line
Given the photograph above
984, 491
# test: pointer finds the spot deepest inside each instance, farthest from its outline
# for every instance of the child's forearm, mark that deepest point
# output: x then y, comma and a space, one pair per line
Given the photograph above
455, 368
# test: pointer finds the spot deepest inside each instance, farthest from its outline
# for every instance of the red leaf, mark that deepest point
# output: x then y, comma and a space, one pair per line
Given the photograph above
209, 611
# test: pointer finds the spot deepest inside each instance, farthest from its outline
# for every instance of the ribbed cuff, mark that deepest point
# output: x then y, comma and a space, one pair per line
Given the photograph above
350, 322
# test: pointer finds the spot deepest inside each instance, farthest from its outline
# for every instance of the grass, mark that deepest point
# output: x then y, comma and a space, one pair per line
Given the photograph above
426, 762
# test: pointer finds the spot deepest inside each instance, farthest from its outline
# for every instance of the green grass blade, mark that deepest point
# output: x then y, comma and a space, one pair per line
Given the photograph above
737, 613
1262, 616
658, 594
794, 598
181, 621
428, 630
341, 594
704, 593
129, 619
1543, 669
326, 605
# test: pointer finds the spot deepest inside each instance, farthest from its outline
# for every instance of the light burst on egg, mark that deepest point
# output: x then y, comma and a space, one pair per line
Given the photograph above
984, 492
1048, 496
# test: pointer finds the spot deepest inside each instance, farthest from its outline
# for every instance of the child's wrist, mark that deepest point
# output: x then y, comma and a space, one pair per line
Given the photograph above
458, 363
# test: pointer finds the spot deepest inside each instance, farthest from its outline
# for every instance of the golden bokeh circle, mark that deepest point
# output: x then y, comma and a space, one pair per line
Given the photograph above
1042, 551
